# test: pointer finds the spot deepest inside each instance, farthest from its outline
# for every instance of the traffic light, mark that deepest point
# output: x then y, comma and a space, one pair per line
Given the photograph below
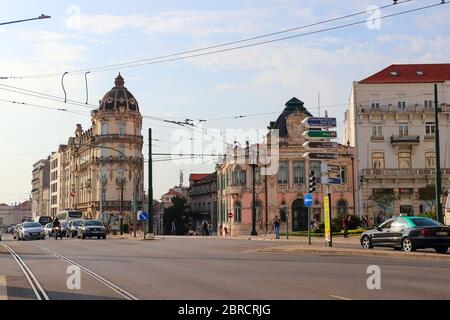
312, 181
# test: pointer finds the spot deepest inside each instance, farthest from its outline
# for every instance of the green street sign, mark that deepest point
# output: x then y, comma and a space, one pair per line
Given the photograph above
320, 134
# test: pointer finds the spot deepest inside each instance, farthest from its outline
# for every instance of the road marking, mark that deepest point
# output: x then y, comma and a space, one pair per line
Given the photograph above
3, 288
94, 275
340, 298
34, 283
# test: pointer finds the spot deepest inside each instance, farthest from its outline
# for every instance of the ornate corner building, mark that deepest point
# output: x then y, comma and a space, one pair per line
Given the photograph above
102, 169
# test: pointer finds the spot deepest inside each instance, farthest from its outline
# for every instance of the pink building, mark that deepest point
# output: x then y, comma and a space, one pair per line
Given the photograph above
280, 194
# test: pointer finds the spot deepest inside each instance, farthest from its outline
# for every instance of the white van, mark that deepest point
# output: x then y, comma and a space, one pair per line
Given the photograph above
447, 212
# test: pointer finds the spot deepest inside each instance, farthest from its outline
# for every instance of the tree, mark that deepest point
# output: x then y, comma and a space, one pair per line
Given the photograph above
177, 214
428, 195
384, 198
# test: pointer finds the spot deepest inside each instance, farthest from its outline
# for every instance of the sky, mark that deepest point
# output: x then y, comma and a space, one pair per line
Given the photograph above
261, 79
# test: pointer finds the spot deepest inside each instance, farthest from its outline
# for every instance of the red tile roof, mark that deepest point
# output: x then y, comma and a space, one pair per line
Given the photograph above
174, 193
411, 73
3, 205
198, 177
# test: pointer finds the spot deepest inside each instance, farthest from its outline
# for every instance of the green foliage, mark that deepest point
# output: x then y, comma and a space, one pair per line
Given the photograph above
431, 215
176, 213
384, 198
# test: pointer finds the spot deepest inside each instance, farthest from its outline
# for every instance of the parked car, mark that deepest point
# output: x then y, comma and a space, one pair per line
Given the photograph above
16, 231
408, 234
48, 229
0, 234
91, 228
72, 228
64, 228
11, 228
31, 230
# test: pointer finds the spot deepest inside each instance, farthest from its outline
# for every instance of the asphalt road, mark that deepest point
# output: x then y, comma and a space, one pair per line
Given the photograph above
199, 268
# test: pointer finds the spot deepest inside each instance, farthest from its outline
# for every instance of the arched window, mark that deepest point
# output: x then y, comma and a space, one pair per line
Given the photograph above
237, 212
342, 207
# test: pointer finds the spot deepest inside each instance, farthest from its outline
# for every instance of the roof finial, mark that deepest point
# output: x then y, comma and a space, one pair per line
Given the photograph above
120, 82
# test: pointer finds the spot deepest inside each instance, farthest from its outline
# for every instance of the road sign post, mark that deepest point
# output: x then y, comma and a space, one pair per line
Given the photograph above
322, 122
327, 216
308, 201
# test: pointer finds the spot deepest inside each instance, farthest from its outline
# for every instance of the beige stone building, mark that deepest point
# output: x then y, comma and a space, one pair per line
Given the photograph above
391, 123
101, 169
40, 192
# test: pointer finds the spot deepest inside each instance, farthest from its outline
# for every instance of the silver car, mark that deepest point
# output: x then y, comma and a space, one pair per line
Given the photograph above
31, 230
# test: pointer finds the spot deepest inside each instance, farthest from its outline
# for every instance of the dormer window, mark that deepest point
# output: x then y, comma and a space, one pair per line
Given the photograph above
394, 73
420, 73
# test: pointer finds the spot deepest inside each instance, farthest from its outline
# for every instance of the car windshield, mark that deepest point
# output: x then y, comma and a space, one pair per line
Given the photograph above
425, 222
32, 225
76, 223
49, 225
64, 224
93, 223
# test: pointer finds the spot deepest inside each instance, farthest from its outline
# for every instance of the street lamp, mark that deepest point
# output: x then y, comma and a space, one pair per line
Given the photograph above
41, 17
254, 157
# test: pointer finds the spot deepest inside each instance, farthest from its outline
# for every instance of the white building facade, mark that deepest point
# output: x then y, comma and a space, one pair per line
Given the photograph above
391, 123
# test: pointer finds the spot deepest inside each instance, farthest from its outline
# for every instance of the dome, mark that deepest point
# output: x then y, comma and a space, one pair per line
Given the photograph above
293, 105
119, 96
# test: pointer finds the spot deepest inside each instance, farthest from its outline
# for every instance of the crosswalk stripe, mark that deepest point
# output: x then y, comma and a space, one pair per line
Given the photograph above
3, 292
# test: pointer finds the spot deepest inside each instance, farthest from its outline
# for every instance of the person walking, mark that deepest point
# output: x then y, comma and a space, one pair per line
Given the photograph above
345, 224
220, 229
276, 227
205, 229
173, 229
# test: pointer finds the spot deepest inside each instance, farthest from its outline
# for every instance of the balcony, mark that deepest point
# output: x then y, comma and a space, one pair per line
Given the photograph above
391, 108
377, 138
118, 138
409, 140
429, 137
407, 173
234, 189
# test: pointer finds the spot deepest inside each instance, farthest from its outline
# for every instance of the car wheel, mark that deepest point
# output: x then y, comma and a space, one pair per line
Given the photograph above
366, 243
441, 250
407, 245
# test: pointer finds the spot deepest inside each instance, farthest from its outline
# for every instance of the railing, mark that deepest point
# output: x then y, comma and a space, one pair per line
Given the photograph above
391, 108
377, 138
430, 137
405, 139
118, 137
403, 172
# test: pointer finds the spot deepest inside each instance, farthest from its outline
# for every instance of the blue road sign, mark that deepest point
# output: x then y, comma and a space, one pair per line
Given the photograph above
308, 201
334, 181
143, 216
321, 122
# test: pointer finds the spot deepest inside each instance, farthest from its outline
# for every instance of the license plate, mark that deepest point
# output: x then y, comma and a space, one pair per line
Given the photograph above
441, 233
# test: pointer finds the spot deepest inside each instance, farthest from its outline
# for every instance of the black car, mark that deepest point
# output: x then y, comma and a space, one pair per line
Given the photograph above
408, 234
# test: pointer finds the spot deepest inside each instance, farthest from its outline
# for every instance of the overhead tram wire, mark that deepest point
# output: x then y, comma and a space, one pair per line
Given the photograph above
20, 103
141, 61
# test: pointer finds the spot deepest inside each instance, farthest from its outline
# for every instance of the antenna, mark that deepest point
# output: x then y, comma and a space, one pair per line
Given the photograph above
181, 178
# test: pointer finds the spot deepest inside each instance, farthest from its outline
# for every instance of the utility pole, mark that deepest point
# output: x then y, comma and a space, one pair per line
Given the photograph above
121, 206
150, 181
438, 156
253, 162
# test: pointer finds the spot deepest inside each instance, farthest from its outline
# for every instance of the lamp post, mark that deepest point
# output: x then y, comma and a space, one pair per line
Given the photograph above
41, 17
254, 157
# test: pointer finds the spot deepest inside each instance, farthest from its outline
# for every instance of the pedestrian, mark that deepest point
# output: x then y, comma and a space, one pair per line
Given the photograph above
276, 227
205, 229
173, 229
220, 229
226, 231
210, 229
345, 224
260, 226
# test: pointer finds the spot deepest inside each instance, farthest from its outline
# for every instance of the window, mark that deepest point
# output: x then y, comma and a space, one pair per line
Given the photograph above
122, 128
430, 128
121, 173
316, 167
104, 128
378, 160
257, 175
430, 160
342, 207
377, 130
239, 178
401, 102
122, 152
375, 98
103, 175
237, 212
344, 174
404, 160
299, 172
283, 173
104, 152
428, 101
403, 129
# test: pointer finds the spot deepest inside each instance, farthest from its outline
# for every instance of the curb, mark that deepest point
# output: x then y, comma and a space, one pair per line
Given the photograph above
350, 252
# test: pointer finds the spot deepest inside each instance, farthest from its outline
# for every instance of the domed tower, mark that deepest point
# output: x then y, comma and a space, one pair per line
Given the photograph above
118, 142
